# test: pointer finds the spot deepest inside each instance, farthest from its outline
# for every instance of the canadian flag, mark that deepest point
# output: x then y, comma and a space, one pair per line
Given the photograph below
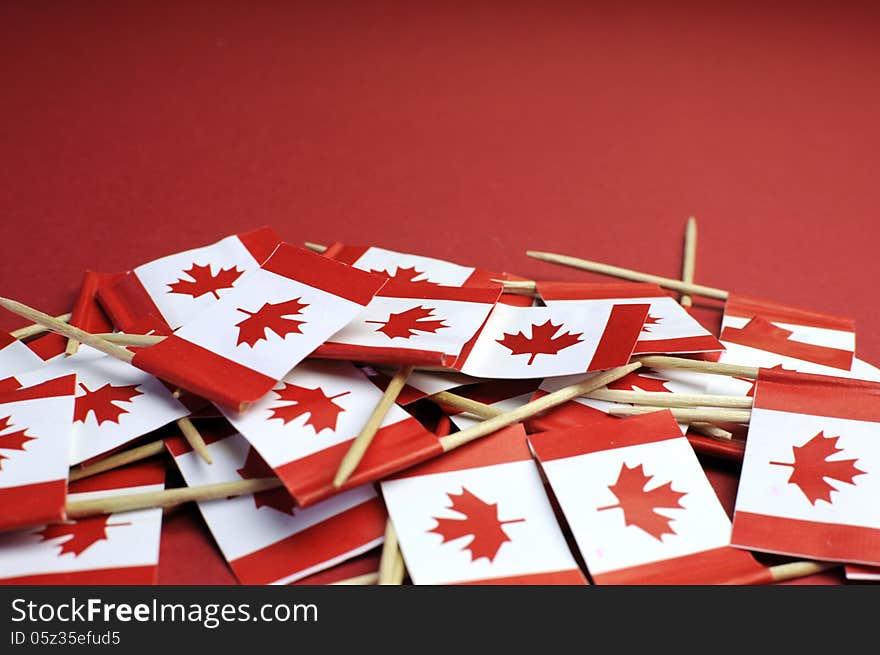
15, 357
575, 412
480, 516
115, 403
263, 536
427, 272
772, 335
811, 475
234, 352
172, 290
640, 506
530, 342
862, 573
668, 327
115, 549
304, 427
405, 323
35, 426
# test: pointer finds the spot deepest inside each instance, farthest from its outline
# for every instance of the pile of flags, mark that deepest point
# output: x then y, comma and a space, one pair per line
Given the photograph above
357, 415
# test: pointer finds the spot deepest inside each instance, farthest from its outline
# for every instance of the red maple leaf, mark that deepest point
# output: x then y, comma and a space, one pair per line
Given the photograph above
649, 321
323, 412
811, 467
640, 505
12, 440
203, 281
256, 467
481, 521
542, 341
102, 401
273, 317
82, 533
635, 381
408, 275
406, 324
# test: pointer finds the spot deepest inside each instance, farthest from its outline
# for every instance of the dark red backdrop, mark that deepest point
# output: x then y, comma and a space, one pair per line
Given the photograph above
465, 130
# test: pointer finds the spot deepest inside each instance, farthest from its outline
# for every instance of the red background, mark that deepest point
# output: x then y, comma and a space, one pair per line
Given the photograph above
465, 130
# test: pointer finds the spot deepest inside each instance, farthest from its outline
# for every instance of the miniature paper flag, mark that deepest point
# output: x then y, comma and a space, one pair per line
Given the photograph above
115, 403
640, 506
426, 272
115, 549
480, 516
668, 328
408, 324
87, 313
304, 427
15, 357
503, 395
234, 352
267, 540
173, 290
35, 426
580, 410
772, 335
810, 482
529, 342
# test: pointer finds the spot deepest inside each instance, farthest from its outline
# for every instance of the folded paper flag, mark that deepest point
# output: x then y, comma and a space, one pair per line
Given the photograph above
114, 549
172, 290
480, 516
235, 351
263, 536
668, 327
530, 342
35, 427
640, 506
409, 324
305, 425
115, 403
809, 484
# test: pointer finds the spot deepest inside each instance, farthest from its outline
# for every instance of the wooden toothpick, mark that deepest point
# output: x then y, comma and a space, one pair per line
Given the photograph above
117, 460
33, 330
317, 247
710, 430
360, 444
662, 399
689, 261
688, 414
390, 554
715, 368
792, 570
168, 497
465, 405
64, 329
536, 406
137, 340
627, 274
194, 438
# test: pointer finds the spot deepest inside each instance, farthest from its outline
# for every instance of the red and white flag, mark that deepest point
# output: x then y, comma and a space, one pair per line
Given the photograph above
419, 384
304, 427
427, 272
811, 476
15, 357
480, 515
668, 327
115, 549
640, 506
568, 338
235, 351
862, 573
35, 427
263, 536
172, 290
406, 323
115, 403
767, 334
503, 395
